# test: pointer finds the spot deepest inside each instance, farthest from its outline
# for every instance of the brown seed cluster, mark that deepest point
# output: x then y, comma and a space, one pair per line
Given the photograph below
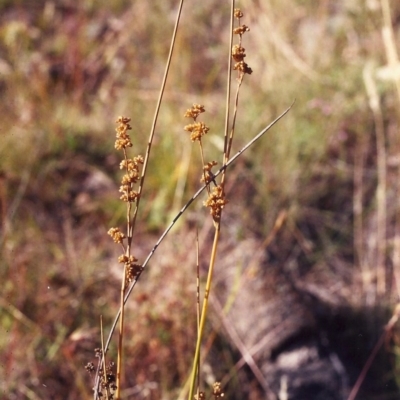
107, 383
131, 266
240, 30
216, 198
238, 13
238, 52
217, 390
132, 176
90, 367
116, 235
197, 129
107, 379
195, 111
129, 195
131, 166
216, 201
123, 140
208, 176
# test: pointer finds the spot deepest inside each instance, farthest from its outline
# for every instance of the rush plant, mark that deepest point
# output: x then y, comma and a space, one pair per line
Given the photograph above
108, 382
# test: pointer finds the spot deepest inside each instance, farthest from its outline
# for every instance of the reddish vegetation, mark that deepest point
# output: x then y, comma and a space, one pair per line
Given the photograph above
312, 217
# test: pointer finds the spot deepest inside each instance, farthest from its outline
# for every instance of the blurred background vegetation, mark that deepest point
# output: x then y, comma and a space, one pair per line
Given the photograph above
331, 168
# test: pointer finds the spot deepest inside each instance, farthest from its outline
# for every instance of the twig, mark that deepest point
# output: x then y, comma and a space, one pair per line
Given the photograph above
246, 354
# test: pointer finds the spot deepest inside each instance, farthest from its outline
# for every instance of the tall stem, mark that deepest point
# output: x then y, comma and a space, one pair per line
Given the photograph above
204, 310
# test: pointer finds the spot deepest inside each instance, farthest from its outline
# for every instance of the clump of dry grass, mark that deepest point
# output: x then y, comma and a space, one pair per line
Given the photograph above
326, 149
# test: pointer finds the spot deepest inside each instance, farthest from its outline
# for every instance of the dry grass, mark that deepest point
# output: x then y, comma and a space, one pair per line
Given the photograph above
67, 70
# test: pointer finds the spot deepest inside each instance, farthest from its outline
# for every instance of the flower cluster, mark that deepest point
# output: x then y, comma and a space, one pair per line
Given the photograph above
116, 235
240, 30
217, 390
90, 367
208, 176
131, 166
131, 177
129, 195
197, 129
108, 382
107, 377
195, 111
238, 13
238, 52
216, 201
131, 267
123, 140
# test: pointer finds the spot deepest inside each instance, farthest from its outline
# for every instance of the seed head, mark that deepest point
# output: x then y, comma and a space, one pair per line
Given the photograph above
195, 111
128, 194
208, 176
216, 201
238, 52
238, 13
116, 235
123, 140
90, 367
197, 130
217, 390
240, 30
242, 67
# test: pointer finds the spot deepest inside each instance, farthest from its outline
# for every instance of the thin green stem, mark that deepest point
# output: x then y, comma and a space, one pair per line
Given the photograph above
196, 361
228, 82
155, 119
229, 148
198, 304
204, 311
